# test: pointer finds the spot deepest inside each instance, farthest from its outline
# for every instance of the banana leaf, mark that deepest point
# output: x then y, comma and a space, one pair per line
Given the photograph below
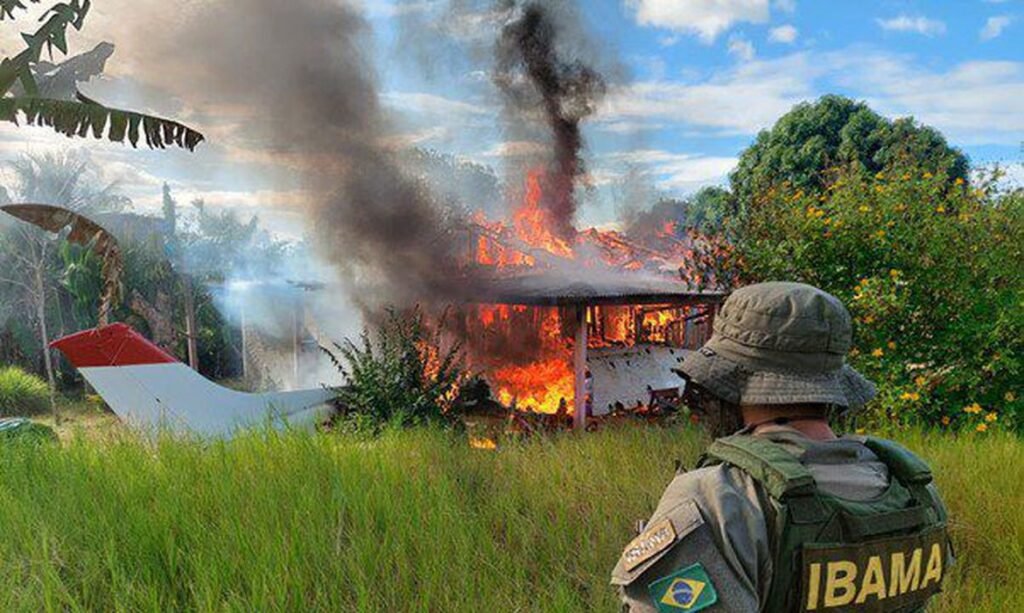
83, 232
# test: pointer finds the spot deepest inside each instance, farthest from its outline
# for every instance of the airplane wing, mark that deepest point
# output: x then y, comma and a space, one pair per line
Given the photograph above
150, 389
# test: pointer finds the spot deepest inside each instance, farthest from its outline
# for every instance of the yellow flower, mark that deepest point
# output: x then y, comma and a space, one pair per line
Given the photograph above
864, 208
880, 234
981, 427
920, 381
940, 209
894, 273
959, 181
906, 177
877, 353
945, 420
991, 417
973, 408
880, 175
891, 345
911, 396
827, 221
928, 175
1009, 397
869, 319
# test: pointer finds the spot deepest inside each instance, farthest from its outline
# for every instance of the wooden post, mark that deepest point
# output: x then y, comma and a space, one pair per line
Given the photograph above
191, 331
245, 344
297, 320
580, 369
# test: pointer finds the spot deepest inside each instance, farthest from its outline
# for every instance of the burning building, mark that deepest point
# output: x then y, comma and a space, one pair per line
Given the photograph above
583, 326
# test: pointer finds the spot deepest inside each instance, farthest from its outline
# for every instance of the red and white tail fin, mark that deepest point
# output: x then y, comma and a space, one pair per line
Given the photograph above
149, 388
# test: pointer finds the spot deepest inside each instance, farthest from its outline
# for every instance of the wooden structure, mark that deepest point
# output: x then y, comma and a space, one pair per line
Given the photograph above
586, 289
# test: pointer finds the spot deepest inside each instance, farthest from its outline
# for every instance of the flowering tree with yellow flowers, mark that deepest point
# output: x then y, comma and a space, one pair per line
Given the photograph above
931, 267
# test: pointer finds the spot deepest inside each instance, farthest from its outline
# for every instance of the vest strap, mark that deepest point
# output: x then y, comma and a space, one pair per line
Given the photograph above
906, 466
779, 471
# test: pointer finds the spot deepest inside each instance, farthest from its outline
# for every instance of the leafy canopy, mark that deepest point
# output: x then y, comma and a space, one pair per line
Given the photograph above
931, 269
815, 140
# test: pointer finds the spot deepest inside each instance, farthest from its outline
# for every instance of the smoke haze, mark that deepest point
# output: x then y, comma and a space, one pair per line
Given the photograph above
303, 66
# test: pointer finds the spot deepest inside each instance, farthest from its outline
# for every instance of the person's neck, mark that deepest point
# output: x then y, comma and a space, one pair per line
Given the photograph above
807, 420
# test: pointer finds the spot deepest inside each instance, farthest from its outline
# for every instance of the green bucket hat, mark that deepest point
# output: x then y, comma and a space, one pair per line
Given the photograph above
780, 343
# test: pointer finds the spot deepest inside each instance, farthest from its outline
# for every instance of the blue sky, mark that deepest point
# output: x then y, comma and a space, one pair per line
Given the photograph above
692, 81
699, 78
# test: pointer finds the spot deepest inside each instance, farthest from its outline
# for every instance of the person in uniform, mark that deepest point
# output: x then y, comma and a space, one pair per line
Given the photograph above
782, 514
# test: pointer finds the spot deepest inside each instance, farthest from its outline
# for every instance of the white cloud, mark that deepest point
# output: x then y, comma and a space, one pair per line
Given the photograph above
513, 149
705, 18
431, 104
783, 34
675, 171
971, 103
919, 25
786, 6
994, 27
741, 48
395, 8
741, 100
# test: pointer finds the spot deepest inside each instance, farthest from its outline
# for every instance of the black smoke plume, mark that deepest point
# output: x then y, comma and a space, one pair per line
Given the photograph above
301, 73
568, 92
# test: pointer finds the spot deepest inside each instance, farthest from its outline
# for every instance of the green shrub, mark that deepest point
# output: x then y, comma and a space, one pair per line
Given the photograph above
930, 267
22, 393
403, 375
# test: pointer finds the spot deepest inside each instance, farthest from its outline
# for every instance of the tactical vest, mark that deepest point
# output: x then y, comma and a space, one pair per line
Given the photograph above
831, 554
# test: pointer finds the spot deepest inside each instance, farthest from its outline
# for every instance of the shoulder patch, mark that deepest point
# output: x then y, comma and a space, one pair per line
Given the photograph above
653, 541
689, 589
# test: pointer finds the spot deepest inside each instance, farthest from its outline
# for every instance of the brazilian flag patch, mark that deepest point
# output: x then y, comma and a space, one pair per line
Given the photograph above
689, 589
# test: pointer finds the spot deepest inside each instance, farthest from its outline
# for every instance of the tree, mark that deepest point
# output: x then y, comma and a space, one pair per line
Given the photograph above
932, 273
810, 144
21, 95
31, 255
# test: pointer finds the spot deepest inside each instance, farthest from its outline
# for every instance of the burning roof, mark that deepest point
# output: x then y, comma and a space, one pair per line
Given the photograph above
592, 288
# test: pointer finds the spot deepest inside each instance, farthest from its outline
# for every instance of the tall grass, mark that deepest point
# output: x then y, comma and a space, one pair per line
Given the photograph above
415, 521
21, 393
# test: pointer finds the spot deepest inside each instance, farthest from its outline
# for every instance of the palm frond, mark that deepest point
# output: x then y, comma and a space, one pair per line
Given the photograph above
7, 7
79, 118
52, 34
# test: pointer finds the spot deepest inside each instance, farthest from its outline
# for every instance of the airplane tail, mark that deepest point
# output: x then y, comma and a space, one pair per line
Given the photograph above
149, 388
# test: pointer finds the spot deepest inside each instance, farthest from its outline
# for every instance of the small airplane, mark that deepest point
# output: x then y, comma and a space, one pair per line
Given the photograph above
151, 389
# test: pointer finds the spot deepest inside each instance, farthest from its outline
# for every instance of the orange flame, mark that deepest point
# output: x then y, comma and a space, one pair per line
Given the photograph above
543, 386
533, 223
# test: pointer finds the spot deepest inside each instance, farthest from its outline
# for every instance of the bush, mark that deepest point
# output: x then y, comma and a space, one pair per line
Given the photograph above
931, 270
404, 375
22, 393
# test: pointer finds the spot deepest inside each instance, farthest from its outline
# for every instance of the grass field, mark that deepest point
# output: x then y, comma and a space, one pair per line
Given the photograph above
414, 521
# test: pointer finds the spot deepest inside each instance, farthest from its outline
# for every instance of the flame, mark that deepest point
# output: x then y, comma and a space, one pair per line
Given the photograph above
655, 324
532, 221
483, 443
544, 386
545, 383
